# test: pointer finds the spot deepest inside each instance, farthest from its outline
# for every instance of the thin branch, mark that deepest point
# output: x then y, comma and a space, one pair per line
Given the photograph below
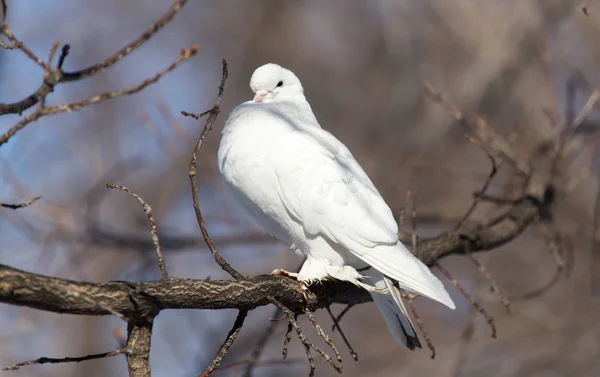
490, 279
212, 116
304, 340
63, 55
322, 334
74, 106
144, 37
20, 205
338, 319
478, 126
48, 71
58, 76
287, 339
21, 46
411, 298
486, 183
231, 337
49, 360
153, 229
336, 325
489, 319
260, 345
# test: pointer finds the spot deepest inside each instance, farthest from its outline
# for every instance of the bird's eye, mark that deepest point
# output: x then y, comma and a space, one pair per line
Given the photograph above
280, 83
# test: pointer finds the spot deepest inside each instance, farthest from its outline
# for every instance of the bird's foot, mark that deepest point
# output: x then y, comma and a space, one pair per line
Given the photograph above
370, 288
282, 272
303, 283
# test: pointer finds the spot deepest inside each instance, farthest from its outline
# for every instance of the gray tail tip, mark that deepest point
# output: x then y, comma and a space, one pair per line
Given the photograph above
412, 342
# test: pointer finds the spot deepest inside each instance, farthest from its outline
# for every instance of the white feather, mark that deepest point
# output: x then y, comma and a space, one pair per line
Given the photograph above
304, 186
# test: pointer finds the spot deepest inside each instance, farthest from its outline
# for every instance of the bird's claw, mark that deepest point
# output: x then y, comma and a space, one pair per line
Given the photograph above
282, 272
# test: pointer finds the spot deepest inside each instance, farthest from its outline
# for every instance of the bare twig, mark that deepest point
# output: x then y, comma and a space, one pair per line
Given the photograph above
144, 37
336, 325
260, 345
74, 106
414, 238
58, 76
486, 183
153, 229
411, 298
308, 345
478, 127
303, 339
552, 240
20, 205
403, 210
338, 319
489, 319
21, 46
287, 339
63, 55
322, 334
541, 290
212, 116
49, 360
490, 279
231, 337
48, 70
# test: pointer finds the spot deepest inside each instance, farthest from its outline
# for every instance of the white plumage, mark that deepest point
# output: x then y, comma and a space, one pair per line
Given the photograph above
304, 187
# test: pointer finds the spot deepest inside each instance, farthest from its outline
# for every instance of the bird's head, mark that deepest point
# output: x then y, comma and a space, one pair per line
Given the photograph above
272, 82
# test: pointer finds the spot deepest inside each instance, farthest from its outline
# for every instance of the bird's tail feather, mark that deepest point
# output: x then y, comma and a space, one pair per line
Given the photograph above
411, 274
395, 314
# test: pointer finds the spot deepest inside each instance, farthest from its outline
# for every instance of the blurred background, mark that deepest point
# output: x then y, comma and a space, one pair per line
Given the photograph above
518, 63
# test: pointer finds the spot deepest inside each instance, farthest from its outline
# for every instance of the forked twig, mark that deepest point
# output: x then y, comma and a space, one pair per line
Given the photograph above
339, 317
56, 76
336, 325
153, 229
74, 106
308, 345
486, 183
212, 116
322, 334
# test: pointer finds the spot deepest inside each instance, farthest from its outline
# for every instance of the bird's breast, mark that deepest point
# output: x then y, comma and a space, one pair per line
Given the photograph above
246, 158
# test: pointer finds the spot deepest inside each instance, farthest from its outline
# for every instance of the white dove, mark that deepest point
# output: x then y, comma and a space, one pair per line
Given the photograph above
304, 187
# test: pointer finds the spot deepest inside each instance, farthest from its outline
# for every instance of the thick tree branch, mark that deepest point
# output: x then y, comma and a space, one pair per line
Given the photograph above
148, 298
51, 294
139, 333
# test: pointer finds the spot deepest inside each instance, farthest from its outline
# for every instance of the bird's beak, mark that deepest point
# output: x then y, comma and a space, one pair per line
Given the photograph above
260, 95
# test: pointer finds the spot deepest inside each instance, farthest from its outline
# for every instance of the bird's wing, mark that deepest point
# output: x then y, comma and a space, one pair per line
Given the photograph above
325, 189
